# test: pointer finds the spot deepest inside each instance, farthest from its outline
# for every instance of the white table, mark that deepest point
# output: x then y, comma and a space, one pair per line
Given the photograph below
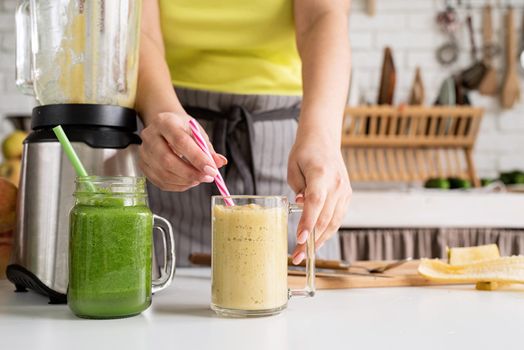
394, 318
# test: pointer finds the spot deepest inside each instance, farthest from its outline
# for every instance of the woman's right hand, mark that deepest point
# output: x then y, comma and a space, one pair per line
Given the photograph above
170, 157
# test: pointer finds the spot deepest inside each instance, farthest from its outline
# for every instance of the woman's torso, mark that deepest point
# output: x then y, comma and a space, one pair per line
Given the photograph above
233, 46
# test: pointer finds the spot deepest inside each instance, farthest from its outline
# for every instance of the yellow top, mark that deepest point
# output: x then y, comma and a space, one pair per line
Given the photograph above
233, 46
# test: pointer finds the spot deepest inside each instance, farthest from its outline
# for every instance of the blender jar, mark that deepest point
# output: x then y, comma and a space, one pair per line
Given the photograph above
78, 51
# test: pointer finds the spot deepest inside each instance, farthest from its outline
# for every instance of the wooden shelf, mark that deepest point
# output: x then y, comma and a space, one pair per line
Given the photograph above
386, 143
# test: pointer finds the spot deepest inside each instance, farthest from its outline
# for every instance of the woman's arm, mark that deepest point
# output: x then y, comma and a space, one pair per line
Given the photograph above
154, 79
169, 156
316, 168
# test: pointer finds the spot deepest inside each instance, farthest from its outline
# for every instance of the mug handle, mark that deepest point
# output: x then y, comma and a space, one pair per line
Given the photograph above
309, 289
168, 270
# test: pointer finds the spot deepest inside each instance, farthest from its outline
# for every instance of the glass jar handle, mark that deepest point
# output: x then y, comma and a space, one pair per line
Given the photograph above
309, 289
168, 270
24, 60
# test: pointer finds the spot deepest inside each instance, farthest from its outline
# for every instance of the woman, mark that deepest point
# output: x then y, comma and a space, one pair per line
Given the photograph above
235, 68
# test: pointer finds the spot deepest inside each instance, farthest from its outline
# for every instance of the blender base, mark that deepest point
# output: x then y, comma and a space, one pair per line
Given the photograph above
23, 279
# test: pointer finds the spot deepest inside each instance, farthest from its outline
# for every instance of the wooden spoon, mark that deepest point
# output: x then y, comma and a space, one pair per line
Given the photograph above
488, 85
511, 87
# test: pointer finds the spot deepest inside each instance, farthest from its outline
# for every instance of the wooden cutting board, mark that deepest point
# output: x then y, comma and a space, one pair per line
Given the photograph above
403, 276
387, 79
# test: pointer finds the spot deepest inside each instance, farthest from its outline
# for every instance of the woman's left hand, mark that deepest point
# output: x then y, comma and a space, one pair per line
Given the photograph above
318, 175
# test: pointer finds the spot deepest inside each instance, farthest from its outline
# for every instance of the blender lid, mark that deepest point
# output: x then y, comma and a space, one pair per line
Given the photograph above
48, 116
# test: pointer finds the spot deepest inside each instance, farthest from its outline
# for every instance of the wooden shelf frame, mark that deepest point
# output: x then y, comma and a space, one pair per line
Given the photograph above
410, 143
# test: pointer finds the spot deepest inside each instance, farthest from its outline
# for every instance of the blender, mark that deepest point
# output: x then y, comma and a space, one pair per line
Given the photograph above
79, 58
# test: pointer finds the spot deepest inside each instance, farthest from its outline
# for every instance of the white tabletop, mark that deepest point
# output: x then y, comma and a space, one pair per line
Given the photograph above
434, 208
389, 318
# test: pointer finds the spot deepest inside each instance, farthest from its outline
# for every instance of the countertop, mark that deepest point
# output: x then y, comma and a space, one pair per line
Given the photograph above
434, 208
441, 317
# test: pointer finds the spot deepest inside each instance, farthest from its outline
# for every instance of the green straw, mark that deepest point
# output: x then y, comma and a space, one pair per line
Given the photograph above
71, 154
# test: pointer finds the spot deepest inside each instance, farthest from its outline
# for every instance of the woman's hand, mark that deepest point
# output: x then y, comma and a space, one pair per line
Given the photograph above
317, 173
169, 156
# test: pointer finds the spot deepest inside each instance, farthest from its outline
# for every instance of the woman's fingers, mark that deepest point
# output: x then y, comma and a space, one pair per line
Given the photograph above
326, 200
160, 182
314, 201
321, 226
174, 160
341, 195
166, 169
176, 133
219, 159
157, 153
334, 224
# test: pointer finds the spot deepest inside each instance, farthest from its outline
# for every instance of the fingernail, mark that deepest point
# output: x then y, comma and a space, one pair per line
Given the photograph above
209, 170
298, 259
302, 237
208, 179
222, 158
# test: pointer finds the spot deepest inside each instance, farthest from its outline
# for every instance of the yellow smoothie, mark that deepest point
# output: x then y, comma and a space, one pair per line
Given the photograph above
249, 258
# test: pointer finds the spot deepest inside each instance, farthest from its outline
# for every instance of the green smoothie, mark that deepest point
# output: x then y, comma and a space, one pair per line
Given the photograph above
110, 258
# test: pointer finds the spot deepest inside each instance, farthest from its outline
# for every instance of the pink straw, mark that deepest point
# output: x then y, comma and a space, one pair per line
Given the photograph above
219, 181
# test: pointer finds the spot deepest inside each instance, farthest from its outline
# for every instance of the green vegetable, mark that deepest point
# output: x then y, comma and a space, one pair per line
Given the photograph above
486, 181
440, 183
512, 177
458, 183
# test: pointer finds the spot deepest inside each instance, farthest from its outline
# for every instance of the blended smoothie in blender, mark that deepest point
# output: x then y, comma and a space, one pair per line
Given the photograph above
65, 70
249, 259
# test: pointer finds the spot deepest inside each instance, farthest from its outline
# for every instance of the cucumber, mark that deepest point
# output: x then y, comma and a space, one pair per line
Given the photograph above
458, 183
439, 183
512, 177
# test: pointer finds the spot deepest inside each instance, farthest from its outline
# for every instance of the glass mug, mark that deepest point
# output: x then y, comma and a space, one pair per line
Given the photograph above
110, 248
249, 259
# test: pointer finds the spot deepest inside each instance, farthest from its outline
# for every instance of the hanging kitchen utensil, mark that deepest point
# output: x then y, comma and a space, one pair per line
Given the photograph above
488, 85
448, 22
510, 92
446, 95
461, 94
472, 76
448, 52
521, 53
387, 79
416, 97
371, 7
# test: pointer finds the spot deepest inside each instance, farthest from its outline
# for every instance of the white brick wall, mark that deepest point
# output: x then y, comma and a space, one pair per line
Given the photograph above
406, 25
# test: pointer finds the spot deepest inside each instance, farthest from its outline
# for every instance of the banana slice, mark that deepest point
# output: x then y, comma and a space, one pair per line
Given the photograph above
468, 255
504, 269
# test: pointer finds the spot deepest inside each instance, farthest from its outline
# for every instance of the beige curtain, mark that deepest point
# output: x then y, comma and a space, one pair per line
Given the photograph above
391, 244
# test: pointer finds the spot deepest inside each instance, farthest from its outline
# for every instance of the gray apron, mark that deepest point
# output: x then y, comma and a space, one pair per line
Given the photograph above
255, 133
